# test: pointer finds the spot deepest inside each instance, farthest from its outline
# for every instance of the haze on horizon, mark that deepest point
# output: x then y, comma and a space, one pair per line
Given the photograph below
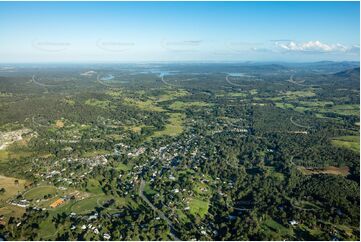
179, 31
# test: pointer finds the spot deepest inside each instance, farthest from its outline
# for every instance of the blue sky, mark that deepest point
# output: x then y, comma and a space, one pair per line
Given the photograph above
178, 31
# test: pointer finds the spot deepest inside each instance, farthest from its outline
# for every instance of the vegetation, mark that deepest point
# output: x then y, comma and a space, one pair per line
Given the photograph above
195, 157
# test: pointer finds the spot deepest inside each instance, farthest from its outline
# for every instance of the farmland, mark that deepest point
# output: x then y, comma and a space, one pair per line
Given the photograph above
347, 142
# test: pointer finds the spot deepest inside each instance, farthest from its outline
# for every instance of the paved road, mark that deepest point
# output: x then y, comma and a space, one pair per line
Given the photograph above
231, 83
296, 83
160, 213
41, 84
299, 125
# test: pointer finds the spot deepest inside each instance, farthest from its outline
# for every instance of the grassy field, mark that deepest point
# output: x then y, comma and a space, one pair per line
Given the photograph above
95, 153
39, 192
184, 105
315, 103
148, 190
198, 207
98, 103
232, 94
299, 94
69, 101
320, 107
148, 105
47, 230
88, 204
284, 105
135, 128
11, 188
123, 167
289, 95
305, 205
347, 142
11, 211
237, 94
276, 230
93, 186
173, 127
344, 109
6, 155
253, 91
170, 95
270, 171
114, 93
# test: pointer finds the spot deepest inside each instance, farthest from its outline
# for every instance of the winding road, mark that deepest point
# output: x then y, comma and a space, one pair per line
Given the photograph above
296, 83
299, 125
99, 80
231, 83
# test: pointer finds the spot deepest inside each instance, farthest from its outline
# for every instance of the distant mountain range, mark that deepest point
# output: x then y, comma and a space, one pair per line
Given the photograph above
350, 73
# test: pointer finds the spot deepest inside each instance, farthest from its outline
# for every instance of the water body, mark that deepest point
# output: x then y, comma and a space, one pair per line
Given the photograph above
107, 78
162, 73
238, 74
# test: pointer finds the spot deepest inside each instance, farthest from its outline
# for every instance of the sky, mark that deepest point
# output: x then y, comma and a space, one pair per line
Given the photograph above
179, 31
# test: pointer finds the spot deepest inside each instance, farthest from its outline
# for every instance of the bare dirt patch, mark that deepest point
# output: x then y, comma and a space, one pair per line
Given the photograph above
13, 186
332, 170
59, 124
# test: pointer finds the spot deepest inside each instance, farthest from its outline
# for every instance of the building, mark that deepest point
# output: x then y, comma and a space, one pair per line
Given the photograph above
57, 203
106, 236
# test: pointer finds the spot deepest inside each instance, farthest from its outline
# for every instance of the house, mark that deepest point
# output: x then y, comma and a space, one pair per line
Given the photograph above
293, 222
106, 236
57, 203
94, 216
21, 203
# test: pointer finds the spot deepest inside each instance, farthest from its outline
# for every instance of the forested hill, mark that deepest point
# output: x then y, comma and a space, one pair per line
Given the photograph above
350, 73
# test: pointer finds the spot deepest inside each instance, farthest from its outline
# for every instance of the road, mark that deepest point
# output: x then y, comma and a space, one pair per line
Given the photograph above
296, 83
160, 213
105, 84
41, 84
299, 125
231, 83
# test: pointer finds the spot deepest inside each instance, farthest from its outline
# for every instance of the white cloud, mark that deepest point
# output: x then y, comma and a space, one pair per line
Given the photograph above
312, 46
355, 49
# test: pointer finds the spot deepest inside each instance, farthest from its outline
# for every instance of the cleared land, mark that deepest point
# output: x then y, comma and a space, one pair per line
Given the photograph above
174, 127
198, 207
147, 105
59, 123
347, 142
275, 229
11, 187
184, 105
40, 192
332, 170
170, 95
98, 103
